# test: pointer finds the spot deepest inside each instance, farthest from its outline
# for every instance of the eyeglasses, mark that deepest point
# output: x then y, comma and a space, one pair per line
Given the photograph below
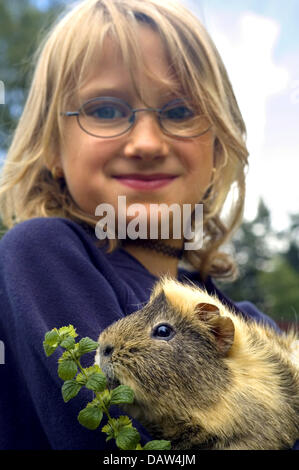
111, 117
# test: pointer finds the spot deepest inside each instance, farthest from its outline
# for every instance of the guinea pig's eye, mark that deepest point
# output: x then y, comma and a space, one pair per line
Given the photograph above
163, 331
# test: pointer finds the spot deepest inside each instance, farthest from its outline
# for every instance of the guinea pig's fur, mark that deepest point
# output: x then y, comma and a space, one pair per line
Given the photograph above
217, 381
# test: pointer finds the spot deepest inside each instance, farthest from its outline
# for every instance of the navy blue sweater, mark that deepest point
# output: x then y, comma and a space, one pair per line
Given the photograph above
52, 274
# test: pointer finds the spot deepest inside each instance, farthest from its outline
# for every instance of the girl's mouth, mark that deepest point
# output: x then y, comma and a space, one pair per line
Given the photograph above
145, 182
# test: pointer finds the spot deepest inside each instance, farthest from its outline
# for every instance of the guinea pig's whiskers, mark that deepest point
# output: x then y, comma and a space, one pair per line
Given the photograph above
123, 370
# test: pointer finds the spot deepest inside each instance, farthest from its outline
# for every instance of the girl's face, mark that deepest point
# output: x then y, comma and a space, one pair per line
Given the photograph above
94, 168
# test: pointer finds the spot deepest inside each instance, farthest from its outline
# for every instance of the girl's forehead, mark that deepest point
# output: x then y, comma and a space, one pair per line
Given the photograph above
109, 71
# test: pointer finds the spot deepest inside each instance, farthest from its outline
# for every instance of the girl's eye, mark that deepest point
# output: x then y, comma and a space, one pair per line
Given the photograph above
163, 331
106, 111
178, 113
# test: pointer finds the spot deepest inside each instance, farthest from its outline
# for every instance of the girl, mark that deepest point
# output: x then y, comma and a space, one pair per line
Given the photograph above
129, 98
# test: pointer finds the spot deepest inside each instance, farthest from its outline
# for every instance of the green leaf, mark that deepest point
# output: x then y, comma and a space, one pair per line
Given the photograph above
49, 349
51, 342
106, 397
65, 356
95, 369
127, 438
67, 369
90, 417
70, 389
97, 382
65, 331
157, 445
87, 345
123, 421
68, 343
139, 447
115, 425
122, 394
81, 379
52, 337
108, 429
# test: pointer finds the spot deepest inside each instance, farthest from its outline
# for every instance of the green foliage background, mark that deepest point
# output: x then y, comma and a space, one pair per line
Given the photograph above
269, 267
268, 260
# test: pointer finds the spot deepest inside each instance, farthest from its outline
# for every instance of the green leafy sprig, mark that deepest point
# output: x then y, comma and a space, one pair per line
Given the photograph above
75, 377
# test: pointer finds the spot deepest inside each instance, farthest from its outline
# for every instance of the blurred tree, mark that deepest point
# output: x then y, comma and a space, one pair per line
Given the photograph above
269, 275
22, 25
292, 234
252, 252
281, 291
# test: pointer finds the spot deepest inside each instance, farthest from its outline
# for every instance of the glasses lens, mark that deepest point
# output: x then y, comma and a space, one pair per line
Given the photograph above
105, 117
179, 119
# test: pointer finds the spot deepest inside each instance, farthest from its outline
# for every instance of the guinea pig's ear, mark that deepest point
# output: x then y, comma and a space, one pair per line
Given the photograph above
221, 327
206, 311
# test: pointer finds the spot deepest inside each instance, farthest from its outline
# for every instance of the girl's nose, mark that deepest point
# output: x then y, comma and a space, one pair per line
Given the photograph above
146, 139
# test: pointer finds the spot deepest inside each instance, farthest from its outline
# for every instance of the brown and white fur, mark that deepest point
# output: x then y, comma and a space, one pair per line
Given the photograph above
216, 382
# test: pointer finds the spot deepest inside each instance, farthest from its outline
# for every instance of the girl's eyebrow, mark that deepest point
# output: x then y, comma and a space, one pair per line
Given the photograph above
124, 93
96, 92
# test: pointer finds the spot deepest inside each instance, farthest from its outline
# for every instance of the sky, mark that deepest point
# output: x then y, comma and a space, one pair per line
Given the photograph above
258, 41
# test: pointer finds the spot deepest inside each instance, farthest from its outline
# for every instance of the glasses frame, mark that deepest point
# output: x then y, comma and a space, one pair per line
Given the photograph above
132, 117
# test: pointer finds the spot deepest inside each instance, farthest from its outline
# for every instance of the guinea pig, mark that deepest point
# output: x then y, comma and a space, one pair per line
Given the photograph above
204, 377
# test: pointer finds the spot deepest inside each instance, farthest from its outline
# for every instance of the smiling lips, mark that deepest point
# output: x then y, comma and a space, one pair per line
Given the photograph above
145, 182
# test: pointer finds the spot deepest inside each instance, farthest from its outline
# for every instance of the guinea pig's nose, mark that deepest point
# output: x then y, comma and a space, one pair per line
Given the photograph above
108, 350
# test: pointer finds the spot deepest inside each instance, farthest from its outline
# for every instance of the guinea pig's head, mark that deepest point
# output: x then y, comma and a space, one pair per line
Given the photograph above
170, 353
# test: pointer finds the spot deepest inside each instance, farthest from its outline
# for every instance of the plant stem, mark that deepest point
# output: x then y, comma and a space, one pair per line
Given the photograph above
97, 394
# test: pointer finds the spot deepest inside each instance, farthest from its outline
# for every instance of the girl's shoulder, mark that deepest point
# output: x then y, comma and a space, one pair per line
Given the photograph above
49, 246
44, 235
39, 228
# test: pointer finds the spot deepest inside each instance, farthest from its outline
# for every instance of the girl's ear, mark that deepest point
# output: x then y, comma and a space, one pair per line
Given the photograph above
55, 168
222, 328
57, 172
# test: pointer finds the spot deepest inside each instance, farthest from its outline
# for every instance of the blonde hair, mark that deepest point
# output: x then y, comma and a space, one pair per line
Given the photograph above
27, 187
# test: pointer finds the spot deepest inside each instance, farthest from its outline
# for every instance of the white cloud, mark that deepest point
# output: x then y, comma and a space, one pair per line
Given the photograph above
247, 46
247, 53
